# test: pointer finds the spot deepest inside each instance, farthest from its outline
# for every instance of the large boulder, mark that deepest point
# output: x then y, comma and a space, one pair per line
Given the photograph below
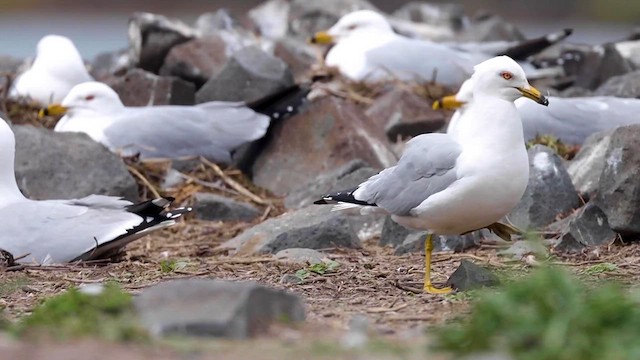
308, 17
443, 15
618, 192
271, 18
141, 88
327, 135
151, 37
314, 227
68, 165
250, 75
626, 86
550, 192
593, 68
487, 27
586, 167
196, 60
402, 114
204, 307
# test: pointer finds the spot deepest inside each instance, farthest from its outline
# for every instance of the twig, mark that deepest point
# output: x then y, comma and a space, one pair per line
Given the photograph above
407, 288
378, 310
144, 180
244, 261
234, 184
84, 281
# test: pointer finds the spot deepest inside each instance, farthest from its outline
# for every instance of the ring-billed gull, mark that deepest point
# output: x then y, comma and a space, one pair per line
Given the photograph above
366, 48
571, 120
58, 231
453, 185
212, 129
57, 68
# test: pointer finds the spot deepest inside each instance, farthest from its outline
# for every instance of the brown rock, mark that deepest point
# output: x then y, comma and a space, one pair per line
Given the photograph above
330, 133
298, 55
140, 88
404, 114
196, 60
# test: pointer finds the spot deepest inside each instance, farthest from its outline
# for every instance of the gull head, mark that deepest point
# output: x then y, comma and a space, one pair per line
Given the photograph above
92, 95
501, 76
355, 22
54, 44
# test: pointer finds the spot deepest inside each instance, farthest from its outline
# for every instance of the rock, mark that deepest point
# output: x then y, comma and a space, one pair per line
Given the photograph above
314, 227
626, 86
470, 276
549, 193
225, 26
203, 307
10, 65
302, 255
196, 60
618, 193
445, 15
490, 28
327, 135
587, 165
403, 114
271, 18
140, 88
109, 64
519, 249
68, 165
308, 17
630, 50
6, 259
587, 227
290, 279
408, 241
344, 177
214, 207
298, 55
593, 68
251, 75
151, 37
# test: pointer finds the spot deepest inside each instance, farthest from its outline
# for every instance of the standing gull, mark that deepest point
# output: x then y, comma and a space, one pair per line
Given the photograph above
212, 130
58, 231
453, 185
366, 48
57, 68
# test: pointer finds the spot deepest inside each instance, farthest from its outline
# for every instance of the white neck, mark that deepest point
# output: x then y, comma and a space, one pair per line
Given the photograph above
9, 191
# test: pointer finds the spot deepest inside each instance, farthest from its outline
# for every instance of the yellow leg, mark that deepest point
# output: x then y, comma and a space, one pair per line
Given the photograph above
428, 287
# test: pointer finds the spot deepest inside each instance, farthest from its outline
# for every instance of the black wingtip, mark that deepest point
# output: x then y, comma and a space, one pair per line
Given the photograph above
283, 104
568, 31
321, 202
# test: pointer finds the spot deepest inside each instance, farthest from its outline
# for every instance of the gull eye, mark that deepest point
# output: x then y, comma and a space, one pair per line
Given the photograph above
89, 97
352, 27
506, 75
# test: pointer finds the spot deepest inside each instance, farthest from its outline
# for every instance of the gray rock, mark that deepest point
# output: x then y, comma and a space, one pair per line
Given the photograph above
347, 176
151, 37
519, 249
68, 165
140, 88
203, 307
271, 18
302, 255
404, 114
626, 86
593, 67
299, 55
214, 207
196, 60
251, 75
445, 15
490, 28
228, 28
470, 276
308, 17
619, 189
549, 193
108, 64
587, 227
587, 165
314, 227
408, 241
329, 134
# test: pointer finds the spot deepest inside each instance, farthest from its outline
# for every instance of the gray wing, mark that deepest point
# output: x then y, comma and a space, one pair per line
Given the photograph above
59, 232
572, 120
409, 59
426, 167
211, 130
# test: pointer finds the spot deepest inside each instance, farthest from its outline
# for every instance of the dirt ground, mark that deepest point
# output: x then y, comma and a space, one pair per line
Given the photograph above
370, 281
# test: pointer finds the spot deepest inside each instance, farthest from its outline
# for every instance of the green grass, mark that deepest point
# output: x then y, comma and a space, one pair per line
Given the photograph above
108, 315
601, 268
548, 315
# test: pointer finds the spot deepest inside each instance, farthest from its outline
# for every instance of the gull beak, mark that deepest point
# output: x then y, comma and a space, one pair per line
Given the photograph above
321, 37
447, 103
53, 110
534, 94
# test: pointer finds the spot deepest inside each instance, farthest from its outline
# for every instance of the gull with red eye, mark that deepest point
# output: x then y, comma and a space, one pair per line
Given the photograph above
212, 130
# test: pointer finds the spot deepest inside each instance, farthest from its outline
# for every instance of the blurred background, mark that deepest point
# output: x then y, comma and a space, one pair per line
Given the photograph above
97, 27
